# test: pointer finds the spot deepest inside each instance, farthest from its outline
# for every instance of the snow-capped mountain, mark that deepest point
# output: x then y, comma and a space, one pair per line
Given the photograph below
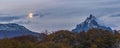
90, 23
12, 27
13, 30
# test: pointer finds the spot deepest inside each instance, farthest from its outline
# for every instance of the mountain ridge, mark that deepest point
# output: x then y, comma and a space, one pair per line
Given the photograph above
11, 30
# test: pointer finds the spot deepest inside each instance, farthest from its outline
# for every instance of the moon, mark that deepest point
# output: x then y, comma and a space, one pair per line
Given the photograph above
30, 15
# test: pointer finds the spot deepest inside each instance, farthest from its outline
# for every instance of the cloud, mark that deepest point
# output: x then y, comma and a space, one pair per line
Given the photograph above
111, 20
22, 22
38, 14
9, 18
59, 14
115, 15
20, 19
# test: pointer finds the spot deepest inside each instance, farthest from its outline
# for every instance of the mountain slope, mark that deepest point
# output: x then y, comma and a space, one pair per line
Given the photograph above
13, 30
90, 23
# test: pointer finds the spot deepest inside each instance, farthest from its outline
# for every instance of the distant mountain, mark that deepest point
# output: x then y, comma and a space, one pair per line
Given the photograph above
13, 30
90, 23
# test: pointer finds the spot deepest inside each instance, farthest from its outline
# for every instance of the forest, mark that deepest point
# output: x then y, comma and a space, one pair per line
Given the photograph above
94, 38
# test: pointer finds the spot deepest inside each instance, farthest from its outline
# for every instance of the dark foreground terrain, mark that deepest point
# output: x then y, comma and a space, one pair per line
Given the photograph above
94, 38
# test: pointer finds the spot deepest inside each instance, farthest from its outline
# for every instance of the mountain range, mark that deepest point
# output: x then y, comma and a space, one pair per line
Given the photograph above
89, 23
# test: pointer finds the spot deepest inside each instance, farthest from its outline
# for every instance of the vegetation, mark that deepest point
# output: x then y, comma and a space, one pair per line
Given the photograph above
94, 38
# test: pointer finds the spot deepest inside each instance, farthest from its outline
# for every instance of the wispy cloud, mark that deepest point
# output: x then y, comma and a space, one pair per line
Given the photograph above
9, 18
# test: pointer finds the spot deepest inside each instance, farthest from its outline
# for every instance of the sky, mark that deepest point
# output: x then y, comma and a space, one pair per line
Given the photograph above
53, 15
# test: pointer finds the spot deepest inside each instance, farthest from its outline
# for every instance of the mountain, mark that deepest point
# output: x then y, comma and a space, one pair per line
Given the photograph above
90, 23
13, 30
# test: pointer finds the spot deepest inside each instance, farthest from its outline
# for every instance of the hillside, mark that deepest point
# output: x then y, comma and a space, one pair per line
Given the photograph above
94, 38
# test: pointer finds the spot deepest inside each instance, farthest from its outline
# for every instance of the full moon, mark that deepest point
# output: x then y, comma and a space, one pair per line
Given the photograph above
30, 15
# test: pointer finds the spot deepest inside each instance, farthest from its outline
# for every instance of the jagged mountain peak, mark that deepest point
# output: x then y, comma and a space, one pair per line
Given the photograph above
91, 17
91, 20
89, 23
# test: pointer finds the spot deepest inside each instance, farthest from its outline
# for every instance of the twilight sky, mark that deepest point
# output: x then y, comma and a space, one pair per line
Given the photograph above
55, 15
